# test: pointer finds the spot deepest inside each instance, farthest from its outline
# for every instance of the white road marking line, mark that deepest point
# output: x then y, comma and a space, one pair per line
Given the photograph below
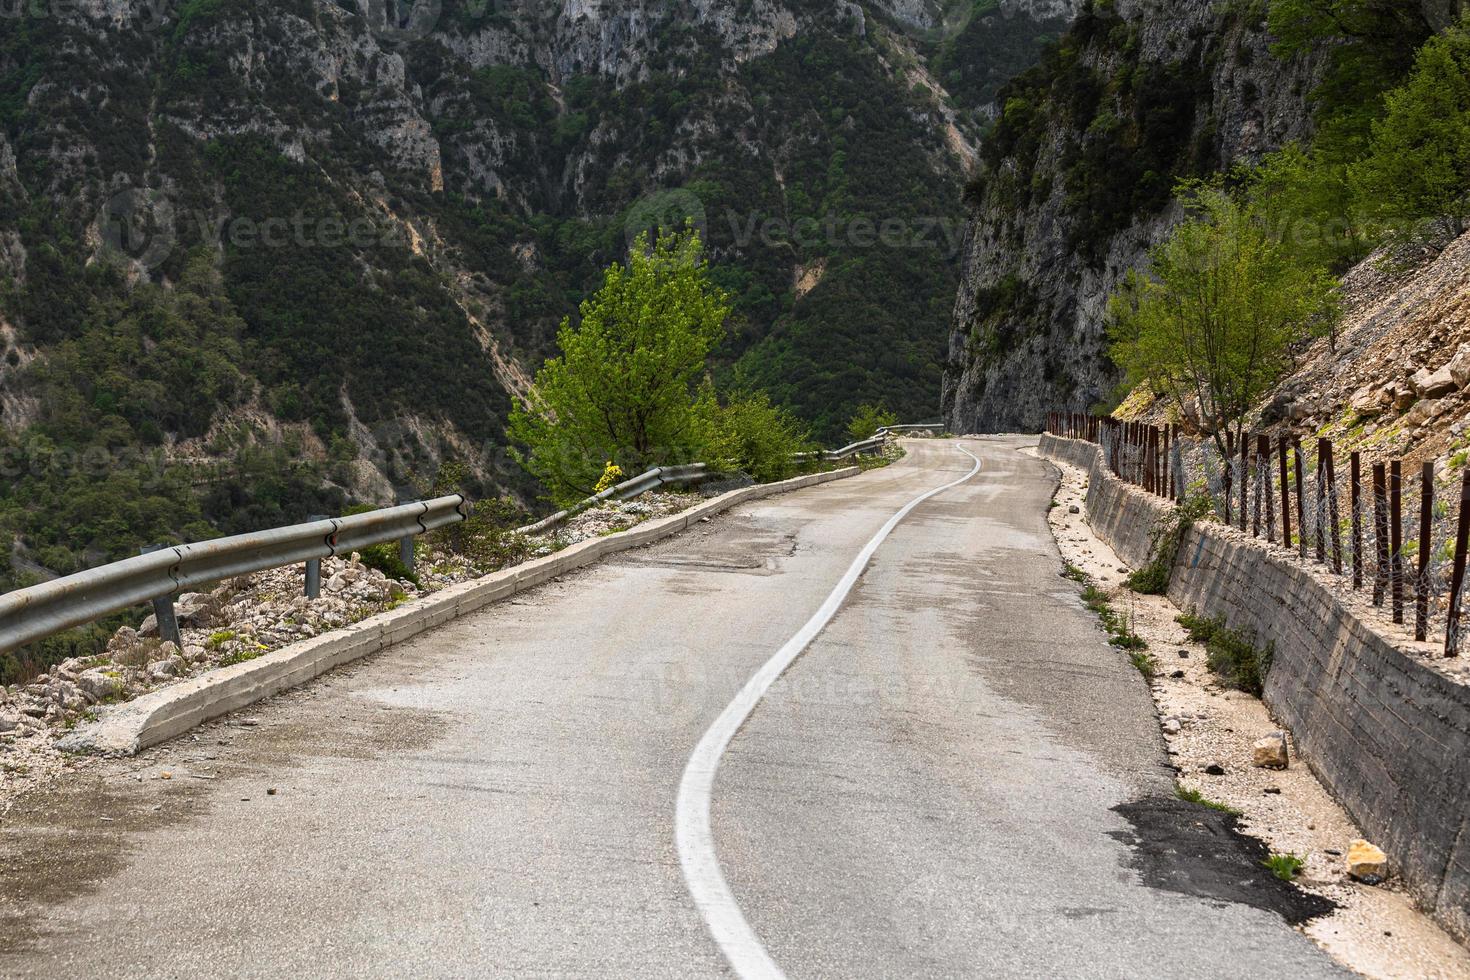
702, 874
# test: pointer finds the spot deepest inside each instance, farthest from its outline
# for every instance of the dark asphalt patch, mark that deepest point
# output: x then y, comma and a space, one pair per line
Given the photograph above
1184, 847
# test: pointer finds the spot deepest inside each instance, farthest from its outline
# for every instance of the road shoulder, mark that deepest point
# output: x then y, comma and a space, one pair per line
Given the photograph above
1374, 930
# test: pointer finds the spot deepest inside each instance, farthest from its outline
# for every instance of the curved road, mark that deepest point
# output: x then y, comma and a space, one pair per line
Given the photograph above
928, 790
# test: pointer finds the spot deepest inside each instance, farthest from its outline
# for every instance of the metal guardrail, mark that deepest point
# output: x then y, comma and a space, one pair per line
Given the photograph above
657, 477
33, 613
921, 427
873, 445
36, 612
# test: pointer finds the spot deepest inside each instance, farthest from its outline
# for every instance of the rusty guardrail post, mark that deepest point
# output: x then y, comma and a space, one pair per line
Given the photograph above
163, 607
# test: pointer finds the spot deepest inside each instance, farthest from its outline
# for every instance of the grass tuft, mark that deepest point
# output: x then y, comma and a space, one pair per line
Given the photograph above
1119, 628
1195, 796
1285, 866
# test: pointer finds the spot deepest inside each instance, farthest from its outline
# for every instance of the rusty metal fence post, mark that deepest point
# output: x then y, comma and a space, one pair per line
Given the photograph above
1426, 525
1227, 463
1301, 507
1285, 492
1355, 475
1334, 514
1319, 523
1263, 450
1380, 532
1245, 476
1457, 578
1396, 538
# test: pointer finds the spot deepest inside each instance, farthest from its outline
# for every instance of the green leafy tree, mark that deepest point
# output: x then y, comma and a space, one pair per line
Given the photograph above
1418, 165
624, 385
1213, 322
868, 419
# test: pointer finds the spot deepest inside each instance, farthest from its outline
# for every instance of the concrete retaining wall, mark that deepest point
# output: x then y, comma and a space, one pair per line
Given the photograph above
129, 728
1389, 736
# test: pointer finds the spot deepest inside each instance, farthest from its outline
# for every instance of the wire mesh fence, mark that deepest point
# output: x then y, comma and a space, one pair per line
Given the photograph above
1395, 531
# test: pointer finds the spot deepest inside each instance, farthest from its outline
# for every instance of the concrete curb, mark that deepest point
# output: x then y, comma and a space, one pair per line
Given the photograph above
129, 728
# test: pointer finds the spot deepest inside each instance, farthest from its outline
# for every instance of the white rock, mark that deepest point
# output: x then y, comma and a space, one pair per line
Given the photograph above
1366, 862
1459, 366
1270, 752
1438, 384
97, 684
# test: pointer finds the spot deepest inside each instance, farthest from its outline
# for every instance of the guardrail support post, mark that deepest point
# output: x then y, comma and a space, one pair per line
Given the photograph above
314, 567
163, 609
405, 552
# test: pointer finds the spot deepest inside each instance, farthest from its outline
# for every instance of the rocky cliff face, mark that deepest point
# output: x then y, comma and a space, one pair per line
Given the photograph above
1074, 187
500, 144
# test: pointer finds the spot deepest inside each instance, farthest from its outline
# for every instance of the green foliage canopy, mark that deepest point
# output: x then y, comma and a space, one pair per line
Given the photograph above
748, 433
868, 419
1215, 320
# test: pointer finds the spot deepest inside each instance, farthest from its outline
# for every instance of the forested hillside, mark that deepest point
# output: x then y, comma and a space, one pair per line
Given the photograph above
262, 260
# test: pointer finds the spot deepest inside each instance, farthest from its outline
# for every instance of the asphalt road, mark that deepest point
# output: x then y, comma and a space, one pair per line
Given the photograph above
927, 791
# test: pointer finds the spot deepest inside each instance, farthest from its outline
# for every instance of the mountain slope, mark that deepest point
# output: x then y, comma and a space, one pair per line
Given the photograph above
285, 255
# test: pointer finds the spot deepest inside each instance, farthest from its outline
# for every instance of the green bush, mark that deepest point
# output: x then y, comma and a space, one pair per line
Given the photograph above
384, 557
1153, 578
624, 385
868, 419
749, 433
1232, 654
